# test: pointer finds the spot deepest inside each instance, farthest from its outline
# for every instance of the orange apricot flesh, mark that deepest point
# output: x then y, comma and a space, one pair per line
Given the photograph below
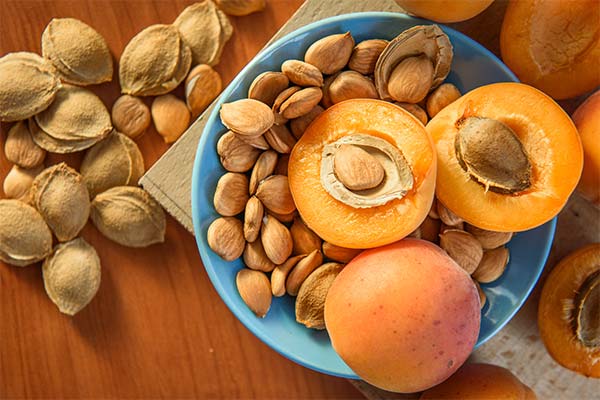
445, 10
403, 316
480, 382
548, 138
343, 224
558, 307
587, 121
553, 45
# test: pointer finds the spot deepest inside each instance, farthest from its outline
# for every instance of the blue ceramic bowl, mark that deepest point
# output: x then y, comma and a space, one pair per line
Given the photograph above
473, 66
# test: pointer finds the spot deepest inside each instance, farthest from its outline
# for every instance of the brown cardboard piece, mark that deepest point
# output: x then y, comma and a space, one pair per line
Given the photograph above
518, 346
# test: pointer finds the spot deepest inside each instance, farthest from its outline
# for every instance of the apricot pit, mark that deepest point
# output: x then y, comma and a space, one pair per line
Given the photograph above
492, 155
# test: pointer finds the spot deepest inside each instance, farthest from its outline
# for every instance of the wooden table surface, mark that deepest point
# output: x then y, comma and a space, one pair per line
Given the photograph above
156, 328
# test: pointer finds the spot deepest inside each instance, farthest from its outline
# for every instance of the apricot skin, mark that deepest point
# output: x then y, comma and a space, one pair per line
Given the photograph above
587, 121
445, 10
481, 382
553, 45
549, 138
404, 316
556, 330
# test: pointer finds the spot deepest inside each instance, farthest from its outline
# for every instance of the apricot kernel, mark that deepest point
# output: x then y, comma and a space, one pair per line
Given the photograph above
365, 171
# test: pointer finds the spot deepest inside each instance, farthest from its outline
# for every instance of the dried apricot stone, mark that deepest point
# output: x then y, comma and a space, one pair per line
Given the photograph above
77, 51
114, 161
72, 275
553, 45
568, 311
60, 195
508, 157
129, 216
28, 85
362, 174
154, 62
24, 236
493, 155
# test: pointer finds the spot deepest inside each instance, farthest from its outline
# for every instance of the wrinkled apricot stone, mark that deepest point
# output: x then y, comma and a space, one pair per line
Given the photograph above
519, 195
481, 382
569, 310
404, 316
445, 10
587, 121
372, 225
553, 45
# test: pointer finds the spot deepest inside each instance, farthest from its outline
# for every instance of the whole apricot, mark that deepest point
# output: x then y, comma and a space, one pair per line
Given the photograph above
481, 382
445, 10
587, 121
403, 316
553, 45
569, 311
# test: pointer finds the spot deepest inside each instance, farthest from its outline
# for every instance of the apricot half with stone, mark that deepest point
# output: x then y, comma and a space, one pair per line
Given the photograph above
569, 311
363, 174
508, 157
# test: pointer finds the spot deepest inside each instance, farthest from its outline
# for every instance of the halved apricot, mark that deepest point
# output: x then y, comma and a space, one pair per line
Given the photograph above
553, 45
480, 382
335, 174
587, 121
569, 311
508, 157
445, 10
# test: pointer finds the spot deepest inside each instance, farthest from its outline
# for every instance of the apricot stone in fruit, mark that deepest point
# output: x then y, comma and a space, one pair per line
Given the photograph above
480, 382
509, 157
404, 316
587, 121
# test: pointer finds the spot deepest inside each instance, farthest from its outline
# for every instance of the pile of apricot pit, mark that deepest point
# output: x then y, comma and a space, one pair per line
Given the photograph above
333, 162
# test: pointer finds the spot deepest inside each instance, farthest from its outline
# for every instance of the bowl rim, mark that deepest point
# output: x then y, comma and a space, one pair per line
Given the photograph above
214, 114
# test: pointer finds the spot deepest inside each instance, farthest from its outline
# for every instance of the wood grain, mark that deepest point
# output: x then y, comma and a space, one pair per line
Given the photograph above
157, 328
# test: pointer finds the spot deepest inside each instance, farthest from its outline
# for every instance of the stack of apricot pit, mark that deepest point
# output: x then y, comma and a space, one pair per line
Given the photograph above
334, 154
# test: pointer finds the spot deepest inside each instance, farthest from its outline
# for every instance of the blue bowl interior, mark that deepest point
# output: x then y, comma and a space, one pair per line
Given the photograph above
472, 66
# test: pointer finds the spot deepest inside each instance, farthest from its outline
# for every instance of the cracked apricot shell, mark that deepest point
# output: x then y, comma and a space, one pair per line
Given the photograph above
548, 137
343, 224
559, 313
